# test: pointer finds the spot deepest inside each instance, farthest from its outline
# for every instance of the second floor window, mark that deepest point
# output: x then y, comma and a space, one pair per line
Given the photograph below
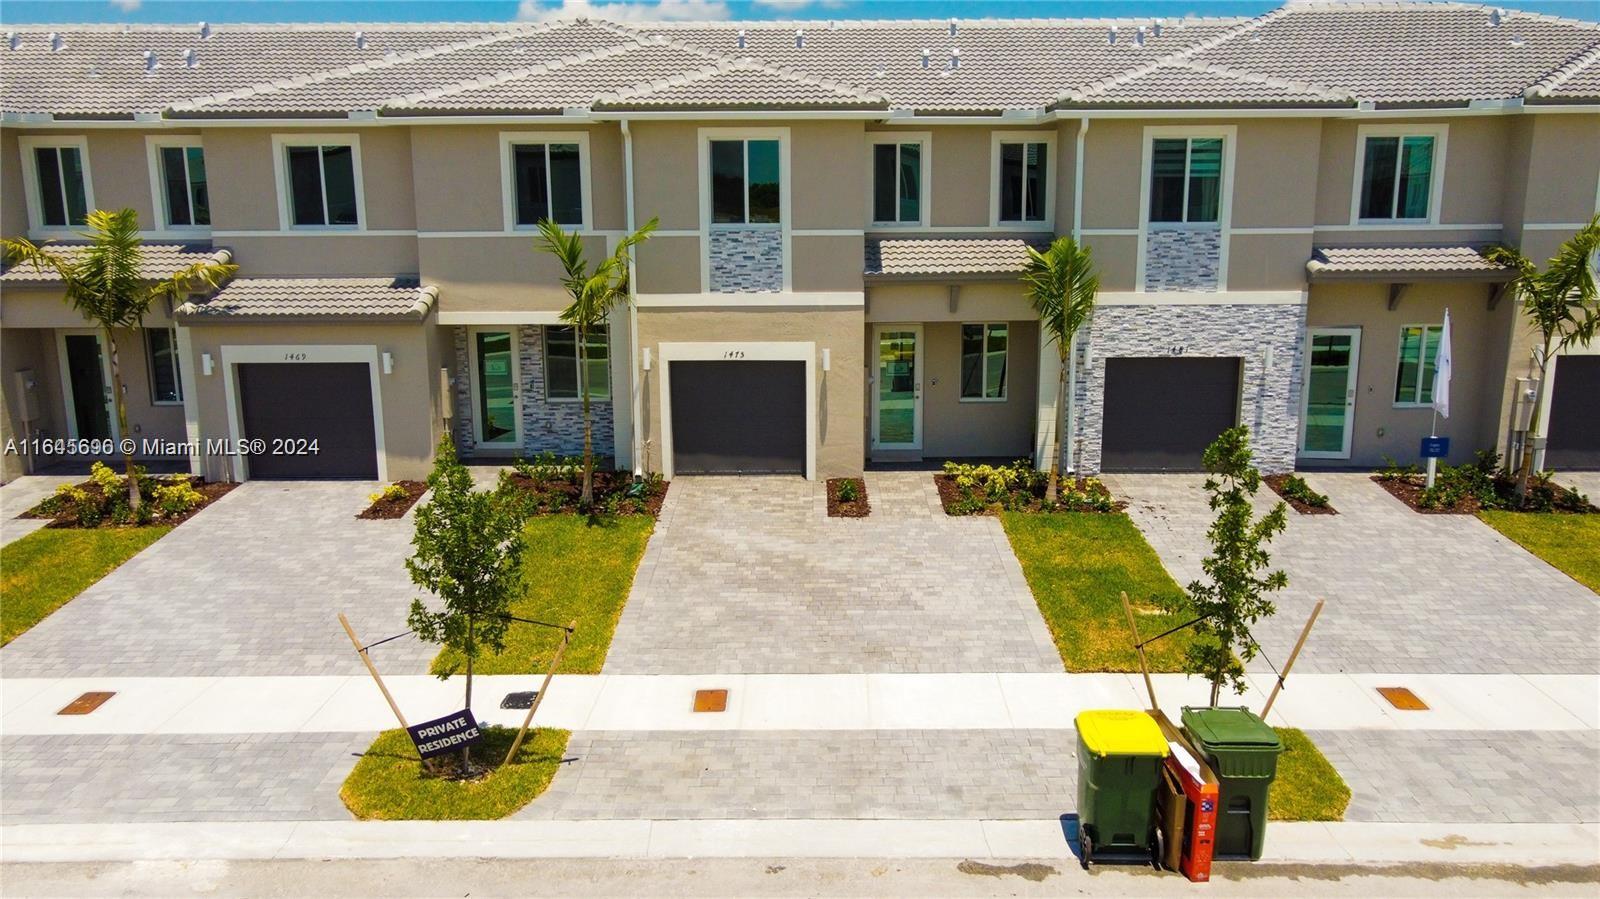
548, 183
564, 371
322, 185
1185, 180
161, 346
63, 201
183, 184
745, 182
1397, 177
1023, 170
897, 183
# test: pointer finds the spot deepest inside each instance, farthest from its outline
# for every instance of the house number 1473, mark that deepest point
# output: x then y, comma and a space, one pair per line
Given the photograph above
733, 354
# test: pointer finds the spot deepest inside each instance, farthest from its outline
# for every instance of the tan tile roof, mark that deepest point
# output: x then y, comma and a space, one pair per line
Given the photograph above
1576, 82
158, 260
269, 299
1409, 262
1188, 84
894, 256
742, 84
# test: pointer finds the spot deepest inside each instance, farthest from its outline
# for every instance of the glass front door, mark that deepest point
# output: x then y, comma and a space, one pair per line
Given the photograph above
1330, 395
495, 382
91, 397
897, 397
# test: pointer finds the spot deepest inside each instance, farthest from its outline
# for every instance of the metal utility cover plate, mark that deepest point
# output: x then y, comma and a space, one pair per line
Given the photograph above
523, 700
86, 703
711, 700
1403, 699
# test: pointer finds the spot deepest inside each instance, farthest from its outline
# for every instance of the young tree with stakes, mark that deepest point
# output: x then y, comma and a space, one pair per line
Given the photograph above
469, 554
594, 294
1234, 594
1061, 284
1562, 304
104, 284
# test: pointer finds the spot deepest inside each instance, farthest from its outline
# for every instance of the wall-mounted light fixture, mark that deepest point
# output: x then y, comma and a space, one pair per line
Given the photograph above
1266, 356
206, 364
827, 359
646, 358
388, 363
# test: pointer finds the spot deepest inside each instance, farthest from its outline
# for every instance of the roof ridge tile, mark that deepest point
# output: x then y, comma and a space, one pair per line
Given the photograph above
502, 77
1564, 73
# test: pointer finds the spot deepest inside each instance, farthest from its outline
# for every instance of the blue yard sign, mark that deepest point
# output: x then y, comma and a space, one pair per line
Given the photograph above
1435, 447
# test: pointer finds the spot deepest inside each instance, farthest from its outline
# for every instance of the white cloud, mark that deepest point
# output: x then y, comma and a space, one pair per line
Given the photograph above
127, 5
659, 11
791, 6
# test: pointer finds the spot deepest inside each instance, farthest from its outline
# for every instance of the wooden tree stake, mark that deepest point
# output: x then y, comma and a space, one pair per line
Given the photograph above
373, 670
544, 688
1284, 675
1144, 667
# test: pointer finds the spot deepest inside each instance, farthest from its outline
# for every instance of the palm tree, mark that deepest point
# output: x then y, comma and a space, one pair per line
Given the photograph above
1562, 303
594, 294
1061, 285
105, 286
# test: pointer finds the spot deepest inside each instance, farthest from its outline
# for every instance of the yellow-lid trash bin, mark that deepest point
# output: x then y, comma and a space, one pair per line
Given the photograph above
1119, 769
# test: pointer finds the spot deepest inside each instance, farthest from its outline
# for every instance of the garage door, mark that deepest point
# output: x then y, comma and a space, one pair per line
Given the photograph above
1575, 415
329, 402
1161, 414
738, 417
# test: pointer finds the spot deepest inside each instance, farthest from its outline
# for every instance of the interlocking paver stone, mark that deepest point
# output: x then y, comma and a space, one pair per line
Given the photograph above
1406, 592
749, 575
250, 586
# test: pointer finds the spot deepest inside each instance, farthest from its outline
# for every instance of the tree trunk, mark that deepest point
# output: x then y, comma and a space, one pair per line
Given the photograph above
587, 499
1216, 690
1525, 469
122, 421
1051, 491
472, 650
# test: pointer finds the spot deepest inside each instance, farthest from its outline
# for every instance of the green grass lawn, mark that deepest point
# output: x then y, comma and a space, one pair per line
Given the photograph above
44, 570
1569, 542
389, 783
1077, 564
1307, 787
574, 568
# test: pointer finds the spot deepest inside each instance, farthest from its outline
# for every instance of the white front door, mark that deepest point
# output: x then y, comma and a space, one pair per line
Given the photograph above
897, 387
1328, 410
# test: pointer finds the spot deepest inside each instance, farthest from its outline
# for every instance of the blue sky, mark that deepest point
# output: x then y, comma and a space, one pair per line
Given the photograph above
26, 11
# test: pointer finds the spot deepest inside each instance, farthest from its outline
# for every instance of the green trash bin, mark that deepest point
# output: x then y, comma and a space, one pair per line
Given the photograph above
1119, 770
1243, 750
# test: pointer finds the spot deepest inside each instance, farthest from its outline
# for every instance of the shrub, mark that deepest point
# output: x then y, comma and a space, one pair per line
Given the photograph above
392, 493
1296, 488
177, 497
848, 492
1394, 471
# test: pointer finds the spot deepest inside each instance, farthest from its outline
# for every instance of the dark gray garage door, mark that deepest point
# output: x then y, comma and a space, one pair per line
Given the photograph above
329, 402
738, 417
1161, 414
1575, 415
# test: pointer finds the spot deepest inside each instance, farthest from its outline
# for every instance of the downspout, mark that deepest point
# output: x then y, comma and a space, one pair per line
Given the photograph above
1071, 417
636, 378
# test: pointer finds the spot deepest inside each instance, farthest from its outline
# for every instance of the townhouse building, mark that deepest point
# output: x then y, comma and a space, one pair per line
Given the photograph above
1281, 209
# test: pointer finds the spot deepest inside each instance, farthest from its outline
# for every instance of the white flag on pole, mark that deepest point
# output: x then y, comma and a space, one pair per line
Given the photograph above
1441, 370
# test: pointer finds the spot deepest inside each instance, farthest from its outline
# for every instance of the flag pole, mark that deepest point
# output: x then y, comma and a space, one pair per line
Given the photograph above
1444, 362
1433, 461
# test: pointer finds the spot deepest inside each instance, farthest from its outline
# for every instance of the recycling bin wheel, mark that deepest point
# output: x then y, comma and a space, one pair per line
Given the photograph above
1086, 846
1158, 849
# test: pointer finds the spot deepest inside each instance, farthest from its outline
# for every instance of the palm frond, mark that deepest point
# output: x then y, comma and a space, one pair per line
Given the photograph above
1062, 285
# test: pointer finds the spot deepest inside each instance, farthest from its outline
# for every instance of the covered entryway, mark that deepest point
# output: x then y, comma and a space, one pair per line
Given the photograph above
744, 417
1575, 414
317, 416
1161, 414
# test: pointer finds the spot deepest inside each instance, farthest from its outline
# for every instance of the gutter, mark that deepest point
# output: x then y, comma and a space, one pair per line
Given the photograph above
636, 375
1072, 353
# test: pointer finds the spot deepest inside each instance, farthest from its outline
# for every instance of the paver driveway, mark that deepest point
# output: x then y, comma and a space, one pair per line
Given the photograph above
250, 586
1406, 592
749, 575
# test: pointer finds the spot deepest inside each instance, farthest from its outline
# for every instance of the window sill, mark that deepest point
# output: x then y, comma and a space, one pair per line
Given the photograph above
746, 226
520, 228
983, 399
1017, 225
573, 401
1183, 226
900, 225
323, 229
1427, 405
1396, 223
166, 402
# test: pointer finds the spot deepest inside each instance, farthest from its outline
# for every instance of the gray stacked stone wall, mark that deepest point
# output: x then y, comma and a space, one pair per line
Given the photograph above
746, 260
547, 426
1270, 394
1182, 259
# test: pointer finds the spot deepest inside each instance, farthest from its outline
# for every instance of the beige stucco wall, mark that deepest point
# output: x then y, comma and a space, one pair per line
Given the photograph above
470, 199
1477, 151
956, 428
25, 349
13, 208
1565, 157
930, 301
826, 263
668, 264
410, 400
840, 449
1479, 340
497, 273
1268, 261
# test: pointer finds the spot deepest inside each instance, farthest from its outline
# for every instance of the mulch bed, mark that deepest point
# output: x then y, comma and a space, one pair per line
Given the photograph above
1409, 489
951, 498
1276, 481
396, 508
211, 490
857, 508
559, 495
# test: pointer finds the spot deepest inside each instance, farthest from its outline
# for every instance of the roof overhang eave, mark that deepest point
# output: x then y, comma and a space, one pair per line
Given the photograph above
940, 278
1321, 276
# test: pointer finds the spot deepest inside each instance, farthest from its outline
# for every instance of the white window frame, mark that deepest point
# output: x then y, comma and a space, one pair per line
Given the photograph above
1188, 157
1051, 161
1422, 360
924, 139
280, 167
544, 346
1440, 135
785, 196
1224, 222
30, 180
154, 144
513, 447
177, 364
508, 174
1005, 392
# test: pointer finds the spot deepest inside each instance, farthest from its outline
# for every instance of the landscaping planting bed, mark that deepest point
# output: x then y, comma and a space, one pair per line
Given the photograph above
102, 501
1299, 495
390, 783
1018, 487
395, 500
553, 485
847, 498
1478, 486
1308, 787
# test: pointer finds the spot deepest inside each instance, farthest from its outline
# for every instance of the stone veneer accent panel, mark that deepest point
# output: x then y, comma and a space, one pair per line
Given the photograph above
1182, 259
1270, 402
747, 260
555, 427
